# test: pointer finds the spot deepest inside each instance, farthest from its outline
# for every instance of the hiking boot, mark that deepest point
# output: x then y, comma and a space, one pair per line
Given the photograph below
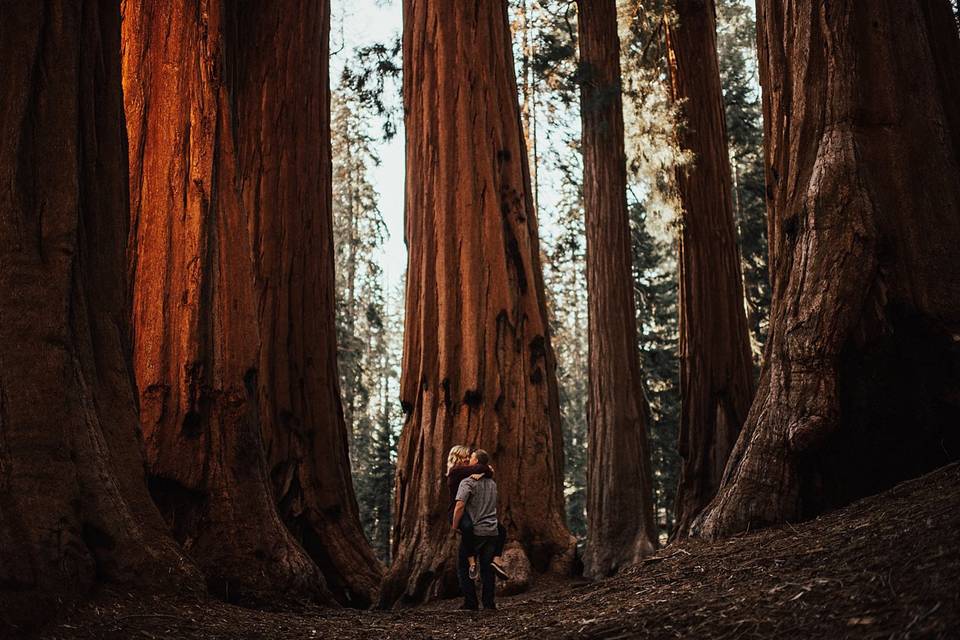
474, 571
467, 607
497, 569
491, 609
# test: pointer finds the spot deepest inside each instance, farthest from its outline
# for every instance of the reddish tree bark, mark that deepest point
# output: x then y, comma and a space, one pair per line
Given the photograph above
478, 367
74, 506
716, 372
860, 387
228, 114
300, 409
619, 481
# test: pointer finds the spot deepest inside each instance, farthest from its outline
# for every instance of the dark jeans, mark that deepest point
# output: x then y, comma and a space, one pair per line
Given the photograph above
485, 548
466, 531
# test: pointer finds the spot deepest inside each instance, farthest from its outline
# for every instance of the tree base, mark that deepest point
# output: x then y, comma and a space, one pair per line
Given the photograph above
899, 405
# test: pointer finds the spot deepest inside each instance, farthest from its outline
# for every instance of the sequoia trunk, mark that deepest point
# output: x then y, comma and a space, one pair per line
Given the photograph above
232, 307
301, 413
861, 385
74, 506
478, 368
716, 369
619, 480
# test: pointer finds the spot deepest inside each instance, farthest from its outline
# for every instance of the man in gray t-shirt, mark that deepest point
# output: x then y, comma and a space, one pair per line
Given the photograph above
478, 497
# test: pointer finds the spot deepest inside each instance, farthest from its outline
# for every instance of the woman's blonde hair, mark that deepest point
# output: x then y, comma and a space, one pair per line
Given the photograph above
458, 454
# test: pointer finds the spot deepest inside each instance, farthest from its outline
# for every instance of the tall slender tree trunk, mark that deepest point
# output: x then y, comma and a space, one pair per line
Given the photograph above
478, 368
74, 506
716, 374
619, 481
860, 387
228, 112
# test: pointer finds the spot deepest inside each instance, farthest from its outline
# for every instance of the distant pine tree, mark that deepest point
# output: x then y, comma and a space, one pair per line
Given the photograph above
375, 455
736, 48
546, 57
566, 283
653, 155
546, 54
655, 280
366, 359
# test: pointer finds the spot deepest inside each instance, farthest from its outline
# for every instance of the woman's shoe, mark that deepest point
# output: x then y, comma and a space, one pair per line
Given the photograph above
474, 571
497, 569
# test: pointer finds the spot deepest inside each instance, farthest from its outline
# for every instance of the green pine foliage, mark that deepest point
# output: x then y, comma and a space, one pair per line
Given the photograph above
375, 458
565, 275
373, 82
652, 157
547, 64
366, 325
736, 47
545, 54
655, 292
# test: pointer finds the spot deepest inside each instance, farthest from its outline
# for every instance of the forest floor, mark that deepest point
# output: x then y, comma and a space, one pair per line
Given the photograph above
885, 567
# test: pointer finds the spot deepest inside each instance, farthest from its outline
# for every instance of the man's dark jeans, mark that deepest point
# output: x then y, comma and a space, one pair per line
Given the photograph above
466, 530
485, 548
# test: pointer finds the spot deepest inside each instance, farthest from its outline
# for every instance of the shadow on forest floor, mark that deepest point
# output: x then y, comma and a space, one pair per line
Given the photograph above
885, 567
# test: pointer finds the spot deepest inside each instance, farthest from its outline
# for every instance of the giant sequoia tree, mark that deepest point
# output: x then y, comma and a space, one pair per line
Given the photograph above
301, 415
234, 348
860, 387
478, 367
716, 376
74, 506
619, 481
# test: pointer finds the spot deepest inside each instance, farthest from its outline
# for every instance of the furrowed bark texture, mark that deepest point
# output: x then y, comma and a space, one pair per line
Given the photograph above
716, 372
478, 368
619, 481
301, 413
74, 505
861, 385
233, 305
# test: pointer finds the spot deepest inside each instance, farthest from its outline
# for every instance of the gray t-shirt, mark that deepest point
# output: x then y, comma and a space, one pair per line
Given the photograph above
480, 497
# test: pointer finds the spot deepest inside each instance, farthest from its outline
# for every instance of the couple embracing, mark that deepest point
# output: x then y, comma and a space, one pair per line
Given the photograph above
473, 515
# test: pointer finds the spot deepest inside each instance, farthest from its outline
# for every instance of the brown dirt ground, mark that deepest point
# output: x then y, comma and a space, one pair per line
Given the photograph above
884, 567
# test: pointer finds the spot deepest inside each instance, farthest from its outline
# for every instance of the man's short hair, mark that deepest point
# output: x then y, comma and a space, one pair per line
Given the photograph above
482, 456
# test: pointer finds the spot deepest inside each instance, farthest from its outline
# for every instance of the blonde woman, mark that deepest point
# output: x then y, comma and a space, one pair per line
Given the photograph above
458, 469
